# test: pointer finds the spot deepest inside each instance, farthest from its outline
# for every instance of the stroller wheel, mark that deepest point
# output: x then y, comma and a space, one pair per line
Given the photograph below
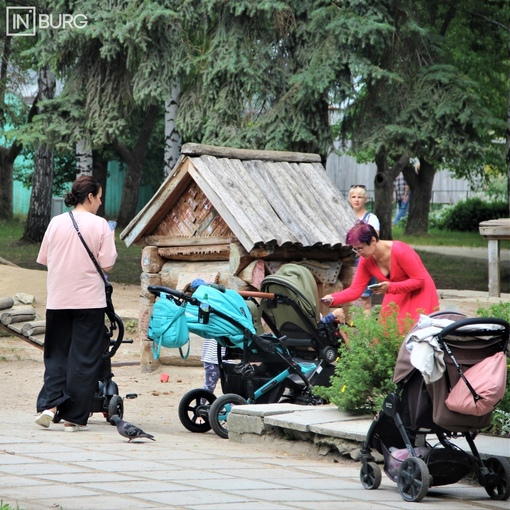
498, 481
194, 410
115, 407
413, 479
329, 354
220, 409
370, 476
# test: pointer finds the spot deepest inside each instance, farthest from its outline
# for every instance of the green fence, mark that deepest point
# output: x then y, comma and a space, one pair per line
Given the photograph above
114, 185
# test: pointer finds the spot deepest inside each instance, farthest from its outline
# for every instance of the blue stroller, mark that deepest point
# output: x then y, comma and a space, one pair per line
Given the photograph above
256, 368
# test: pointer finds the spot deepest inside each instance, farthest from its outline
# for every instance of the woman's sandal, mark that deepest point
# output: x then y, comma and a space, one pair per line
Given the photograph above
72, 427
45, 418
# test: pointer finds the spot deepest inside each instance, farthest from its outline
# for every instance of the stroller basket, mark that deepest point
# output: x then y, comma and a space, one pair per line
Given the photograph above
233, 381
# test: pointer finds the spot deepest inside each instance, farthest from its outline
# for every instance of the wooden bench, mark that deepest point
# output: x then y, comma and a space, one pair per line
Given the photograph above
495, 231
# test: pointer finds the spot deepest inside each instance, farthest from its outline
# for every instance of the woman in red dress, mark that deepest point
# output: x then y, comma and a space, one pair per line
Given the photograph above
403, 279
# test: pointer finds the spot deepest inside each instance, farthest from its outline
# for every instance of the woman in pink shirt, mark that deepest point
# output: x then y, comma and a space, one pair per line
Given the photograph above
403, 278
75, 337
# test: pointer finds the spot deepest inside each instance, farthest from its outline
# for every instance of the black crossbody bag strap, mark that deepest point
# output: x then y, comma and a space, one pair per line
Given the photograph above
91, 255
108, 286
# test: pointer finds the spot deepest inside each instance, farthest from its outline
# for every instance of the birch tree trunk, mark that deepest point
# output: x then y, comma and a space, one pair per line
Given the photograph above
173, 140
83, 158
39, 213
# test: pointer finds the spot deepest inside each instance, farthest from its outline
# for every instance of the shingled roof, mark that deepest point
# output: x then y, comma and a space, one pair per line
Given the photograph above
267, 198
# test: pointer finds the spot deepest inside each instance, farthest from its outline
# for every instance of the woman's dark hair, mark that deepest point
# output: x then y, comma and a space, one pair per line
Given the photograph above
82, 186
361, 233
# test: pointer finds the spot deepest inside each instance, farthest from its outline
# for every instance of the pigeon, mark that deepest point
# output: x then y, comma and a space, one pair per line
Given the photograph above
129, 430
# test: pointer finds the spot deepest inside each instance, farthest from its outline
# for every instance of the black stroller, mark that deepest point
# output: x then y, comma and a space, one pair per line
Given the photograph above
107, 400
257, 367
416, 409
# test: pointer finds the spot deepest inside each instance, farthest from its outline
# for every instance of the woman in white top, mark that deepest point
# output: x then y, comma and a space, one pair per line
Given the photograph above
358, 198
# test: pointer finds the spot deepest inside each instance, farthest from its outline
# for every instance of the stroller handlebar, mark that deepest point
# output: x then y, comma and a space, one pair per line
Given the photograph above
479, 321
254, 293
158, 289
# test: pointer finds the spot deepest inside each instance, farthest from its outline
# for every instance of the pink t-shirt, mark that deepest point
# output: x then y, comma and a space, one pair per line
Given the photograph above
73, 281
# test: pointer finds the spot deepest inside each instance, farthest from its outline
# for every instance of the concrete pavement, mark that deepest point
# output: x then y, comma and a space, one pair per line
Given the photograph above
97, 469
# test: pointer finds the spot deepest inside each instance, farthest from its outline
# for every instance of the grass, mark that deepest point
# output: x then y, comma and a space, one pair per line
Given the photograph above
127, 270
437, 237
448, 272
456, 272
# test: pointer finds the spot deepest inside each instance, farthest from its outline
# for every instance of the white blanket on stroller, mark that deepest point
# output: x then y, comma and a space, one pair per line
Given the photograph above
426, 354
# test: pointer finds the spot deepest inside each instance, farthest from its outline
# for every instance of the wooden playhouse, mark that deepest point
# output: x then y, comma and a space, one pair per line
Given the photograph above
232, 216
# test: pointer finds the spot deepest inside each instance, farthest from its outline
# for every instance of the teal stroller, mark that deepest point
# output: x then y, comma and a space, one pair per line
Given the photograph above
257, 367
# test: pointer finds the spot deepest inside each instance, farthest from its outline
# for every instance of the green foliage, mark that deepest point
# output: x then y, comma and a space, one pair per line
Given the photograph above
6, 506
499, 310
65, 171
466, 215
500, 423
364, 370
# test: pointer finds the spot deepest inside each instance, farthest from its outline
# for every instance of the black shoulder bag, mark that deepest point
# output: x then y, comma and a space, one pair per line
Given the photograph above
110, 311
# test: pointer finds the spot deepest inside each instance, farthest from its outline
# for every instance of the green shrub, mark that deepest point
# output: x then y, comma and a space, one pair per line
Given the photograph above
499, 310
364, 371
466, 215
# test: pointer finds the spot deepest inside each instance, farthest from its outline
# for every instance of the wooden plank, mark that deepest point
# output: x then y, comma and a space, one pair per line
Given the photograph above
172, 271
152, 262
251, 200
239, 258
264, 220
253, 273
165, 241
185, 279
195, 254
37, 341
195, 149
288, 199
495, 229
494, 264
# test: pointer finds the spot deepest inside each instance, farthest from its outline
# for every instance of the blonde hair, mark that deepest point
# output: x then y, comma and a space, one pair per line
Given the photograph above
358, 189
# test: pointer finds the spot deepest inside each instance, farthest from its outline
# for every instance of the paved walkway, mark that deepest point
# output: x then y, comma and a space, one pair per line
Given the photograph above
96, 469
465, 252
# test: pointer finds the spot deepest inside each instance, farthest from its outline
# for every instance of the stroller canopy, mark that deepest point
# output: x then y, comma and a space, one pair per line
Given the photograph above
229, 303
297, 283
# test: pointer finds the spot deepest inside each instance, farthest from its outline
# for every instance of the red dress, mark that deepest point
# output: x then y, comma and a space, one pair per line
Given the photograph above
411, 286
